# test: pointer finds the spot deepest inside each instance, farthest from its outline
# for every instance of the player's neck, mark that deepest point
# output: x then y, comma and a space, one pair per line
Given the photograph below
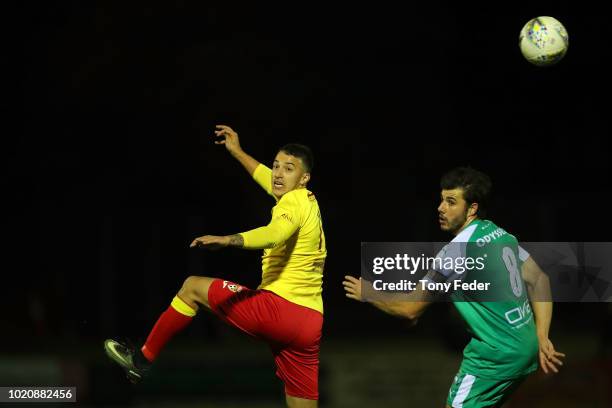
467, 222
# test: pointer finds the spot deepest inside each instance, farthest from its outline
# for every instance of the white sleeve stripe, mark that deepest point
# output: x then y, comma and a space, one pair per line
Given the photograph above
523, 255
463, 391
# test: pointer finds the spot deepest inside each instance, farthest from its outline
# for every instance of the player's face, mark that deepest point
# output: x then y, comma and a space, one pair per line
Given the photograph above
452, 211
288, 174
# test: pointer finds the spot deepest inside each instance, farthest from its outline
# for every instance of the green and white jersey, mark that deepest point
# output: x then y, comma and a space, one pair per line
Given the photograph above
504, 344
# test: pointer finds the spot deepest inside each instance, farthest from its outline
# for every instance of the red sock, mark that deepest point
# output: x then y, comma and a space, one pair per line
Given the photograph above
173, 320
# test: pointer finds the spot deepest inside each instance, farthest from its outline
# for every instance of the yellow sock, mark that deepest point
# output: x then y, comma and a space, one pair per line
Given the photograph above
182, 307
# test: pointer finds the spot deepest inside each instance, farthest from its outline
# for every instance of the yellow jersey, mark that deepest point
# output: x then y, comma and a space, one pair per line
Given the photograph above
294, 245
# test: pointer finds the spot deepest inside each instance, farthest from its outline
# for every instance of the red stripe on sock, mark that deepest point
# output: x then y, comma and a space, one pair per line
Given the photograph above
169, 323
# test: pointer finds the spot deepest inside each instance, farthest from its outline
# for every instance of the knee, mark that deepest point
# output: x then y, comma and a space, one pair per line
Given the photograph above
189, 285
195, 289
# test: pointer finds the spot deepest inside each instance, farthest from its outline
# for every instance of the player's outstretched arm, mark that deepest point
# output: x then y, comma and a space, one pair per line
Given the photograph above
411, 307
279, 230
217, 242
228, 137
538, 286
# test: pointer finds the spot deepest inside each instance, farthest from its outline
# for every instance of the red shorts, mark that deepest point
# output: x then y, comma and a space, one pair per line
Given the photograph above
292, 331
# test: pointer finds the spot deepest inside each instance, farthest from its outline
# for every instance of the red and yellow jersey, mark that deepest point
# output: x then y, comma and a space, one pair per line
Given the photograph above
293, 243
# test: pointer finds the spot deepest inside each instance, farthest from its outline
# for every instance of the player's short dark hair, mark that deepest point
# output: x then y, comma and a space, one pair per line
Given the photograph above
301, 151
475, 184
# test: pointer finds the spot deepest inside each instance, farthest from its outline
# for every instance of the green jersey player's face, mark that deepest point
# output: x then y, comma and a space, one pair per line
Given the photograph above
454, 213
288, 174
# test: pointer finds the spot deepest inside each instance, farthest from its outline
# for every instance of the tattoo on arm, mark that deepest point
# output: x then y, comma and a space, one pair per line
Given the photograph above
236, 240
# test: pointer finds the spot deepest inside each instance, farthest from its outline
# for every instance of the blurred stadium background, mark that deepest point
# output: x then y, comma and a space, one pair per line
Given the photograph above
113, 173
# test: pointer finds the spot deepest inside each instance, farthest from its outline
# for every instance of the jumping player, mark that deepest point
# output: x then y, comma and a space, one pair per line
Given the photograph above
286, 310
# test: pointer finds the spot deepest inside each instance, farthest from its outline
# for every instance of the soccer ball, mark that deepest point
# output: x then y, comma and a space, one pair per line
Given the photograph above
543, 41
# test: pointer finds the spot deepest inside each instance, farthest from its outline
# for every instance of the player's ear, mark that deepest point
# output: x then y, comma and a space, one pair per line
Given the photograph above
305, 179
473, 209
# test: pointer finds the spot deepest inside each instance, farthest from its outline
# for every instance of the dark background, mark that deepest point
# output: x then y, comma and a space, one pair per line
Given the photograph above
113, 171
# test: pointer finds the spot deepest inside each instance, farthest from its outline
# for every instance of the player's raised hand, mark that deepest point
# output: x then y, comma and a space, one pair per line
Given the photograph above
550, 359
352, 287
210, 242
227, 136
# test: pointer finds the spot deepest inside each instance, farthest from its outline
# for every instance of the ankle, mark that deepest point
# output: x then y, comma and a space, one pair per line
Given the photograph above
140, 360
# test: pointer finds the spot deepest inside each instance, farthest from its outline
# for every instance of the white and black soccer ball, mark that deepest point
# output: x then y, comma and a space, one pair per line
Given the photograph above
543, 41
